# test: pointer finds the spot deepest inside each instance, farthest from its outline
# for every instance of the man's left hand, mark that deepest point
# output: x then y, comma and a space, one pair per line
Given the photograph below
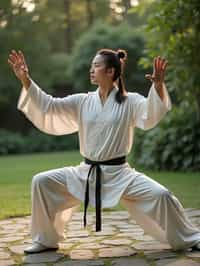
159, 67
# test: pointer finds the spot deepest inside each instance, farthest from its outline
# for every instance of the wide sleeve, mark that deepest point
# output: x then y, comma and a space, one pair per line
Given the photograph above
52, 115
148, 111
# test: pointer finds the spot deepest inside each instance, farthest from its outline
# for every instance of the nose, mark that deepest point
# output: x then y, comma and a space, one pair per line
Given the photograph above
91, 70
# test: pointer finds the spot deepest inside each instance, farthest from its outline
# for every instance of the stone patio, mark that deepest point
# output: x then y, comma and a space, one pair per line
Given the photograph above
121, 242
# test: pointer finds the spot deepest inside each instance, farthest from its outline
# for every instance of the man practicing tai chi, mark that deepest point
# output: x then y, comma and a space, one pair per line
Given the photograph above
105, 120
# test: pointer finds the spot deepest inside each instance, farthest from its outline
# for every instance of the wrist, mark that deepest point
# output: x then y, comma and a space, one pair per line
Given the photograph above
158, 85
26, 82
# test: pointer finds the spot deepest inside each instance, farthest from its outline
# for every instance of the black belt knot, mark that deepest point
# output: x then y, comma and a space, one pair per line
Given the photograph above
115, 161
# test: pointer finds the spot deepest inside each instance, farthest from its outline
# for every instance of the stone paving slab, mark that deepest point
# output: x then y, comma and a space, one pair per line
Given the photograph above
160, 255
121, 242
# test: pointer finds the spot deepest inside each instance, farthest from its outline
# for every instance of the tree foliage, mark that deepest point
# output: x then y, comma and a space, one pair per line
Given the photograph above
173, 31
22, 30
106, 36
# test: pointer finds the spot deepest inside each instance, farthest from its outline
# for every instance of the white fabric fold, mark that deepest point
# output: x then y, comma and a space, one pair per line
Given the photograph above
149, 111
56, 116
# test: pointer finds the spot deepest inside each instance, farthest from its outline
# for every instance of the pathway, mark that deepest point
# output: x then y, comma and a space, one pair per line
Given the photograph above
121, 242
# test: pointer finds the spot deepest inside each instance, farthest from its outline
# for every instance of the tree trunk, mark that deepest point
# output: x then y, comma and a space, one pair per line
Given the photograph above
198, 106
90, 17
68, 31
126, 5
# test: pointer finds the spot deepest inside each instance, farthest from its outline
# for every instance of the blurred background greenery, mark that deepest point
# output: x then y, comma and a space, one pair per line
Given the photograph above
59, 40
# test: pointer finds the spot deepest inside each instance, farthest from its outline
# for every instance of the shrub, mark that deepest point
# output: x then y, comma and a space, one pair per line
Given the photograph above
35, 141
173, 145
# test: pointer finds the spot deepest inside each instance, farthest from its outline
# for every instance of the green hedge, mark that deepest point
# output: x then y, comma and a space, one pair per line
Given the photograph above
173, 145
35, 141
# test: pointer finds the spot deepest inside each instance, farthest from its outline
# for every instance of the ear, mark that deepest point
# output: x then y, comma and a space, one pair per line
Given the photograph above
111, 71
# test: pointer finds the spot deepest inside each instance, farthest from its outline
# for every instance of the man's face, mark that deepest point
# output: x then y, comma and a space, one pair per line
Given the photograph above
98, 71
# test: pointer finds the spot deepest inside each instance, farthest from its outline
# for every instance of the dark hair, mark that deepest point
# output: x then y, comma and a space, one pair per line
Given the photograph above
116, 59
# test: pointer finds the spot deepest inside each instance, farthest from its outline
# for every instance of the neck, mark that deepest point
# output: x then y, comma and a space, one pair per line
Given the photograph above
104, 90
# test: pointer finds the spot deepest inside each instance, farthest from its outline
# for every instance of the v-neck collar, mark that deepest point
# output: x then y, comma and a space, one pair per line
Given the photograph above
110, 96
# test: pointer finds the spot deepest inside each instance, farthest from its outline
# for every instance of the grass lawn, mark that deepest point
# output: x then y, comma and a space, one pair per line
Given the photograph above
16, 173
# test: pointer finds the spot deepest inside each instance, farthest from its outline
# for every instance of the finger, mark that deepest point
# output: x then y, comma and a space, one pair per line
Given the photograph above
162, 60
165, 63
10, 63
24, 61
15, 64
22, 57
15, 54
157, 63
157, 69
164, 68
161, 63
12, 58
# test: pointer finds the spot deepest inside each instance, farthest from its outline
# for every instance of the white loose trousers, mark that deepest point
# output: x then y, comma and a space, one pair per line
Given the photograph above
153, 207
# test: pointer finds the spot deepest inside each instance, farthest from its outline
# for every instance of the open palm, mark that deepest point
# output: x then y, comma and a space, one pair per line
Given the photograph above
18, 64
159, 67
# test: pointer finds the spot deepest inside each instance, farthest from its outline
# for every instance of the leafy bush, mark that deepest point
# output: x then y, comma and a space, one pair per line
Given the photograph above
35, 141
173, 31
173, 145
11, 143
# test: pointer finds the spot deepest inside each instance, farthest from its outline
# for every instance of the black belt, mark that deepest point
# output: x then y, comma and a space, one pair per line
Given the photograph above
115, 161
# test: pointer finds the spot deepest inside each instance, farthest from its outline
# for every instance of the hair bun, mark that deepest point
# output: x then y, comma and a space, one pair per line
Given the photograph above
121, 54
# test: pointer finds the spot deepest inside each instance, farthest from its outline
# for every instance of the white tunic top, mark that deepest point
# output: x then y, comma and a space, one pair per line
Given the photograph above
105, 131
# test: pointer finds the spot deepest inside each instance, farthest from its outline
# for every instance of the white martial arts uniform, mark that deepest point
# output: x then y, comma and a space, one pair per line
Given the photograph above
105, 132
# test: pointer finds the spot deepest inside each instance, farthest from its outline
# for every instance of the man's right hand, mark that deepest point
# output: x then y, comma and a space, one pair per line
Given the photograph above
20, 68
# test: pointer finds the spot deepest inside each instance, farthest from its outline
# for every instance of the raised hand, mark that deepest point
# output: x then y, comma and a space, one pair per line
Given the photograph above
18, 64
159, 67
